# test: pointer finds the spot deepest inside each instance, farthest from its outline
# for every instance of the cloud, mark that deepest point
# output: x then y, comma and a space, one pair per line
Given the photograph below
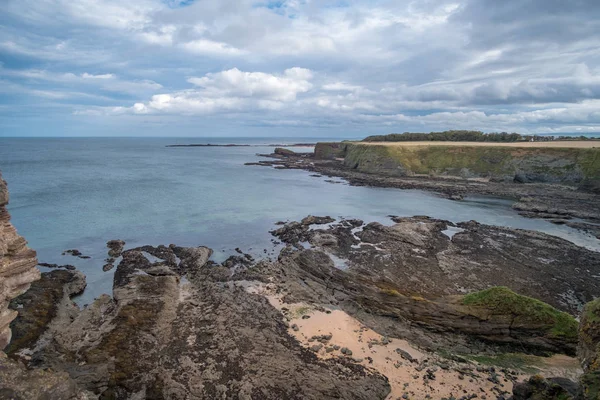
236, 83
205, 46
370, 66
231, 90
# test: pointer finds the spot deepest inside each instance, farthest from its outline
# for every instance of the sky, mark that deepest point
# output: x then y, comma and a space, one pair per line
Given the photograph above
330, 68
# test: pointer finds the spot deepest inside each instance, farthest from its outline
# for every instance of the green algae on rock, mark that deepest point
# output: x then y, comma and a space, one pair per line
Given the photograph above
502, 300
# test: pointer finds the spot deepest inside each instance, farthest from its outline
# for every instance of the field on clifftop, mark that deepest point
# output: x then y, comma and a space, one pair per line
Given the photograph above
575, 144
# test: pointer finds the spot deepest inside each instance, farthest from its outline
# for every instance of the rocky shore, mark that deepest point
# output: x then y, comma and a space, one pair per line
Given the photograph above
348, 310
557, 202
418, 308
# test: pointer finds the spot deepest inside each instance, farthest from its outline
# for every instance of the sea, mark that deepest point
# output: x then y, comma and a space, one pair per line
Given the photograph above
78, 193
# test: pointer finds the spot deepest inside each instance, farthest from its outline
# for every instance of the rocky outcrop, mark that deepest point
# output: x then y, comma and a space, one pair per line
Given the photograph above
573, 166
427, 257
589, 350
166, 336
40, 305
329, 150
17, 267
284, 152
539, 388
536, 200
115, 247
17, 382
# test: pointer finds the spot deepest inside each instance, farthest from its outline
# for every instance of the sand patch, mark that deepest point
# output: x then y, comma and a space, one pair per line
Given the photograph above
412, 373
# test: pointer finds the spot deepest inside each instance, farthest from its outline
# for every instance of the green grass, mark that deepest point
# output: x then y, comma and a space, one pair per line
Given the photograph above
497, 162
591, 311
502, 300
300, 311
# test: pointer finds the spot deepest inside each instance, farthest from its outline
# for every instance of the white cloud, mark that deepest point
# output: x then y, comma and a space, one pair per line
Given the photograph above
109, 82
205, 46
260, 85
162, 36
402, 63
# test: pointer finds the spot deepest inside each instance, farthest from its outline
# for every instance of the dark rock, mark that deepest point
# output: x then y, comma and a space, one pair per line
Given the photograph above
313, 220
316, 347
40, 304
67, 266
544, 389
284, 152
115, 248
405, 354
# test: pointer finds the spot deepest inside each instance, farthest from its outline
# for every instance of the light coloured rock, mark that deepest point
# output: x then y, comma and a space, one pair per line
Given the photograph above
17, 266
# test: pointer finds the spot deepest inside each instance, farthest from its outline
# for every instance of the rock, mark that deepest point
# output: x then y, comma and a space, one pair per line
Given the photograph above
316, 347
295, 328
405, 355
16, 382
544, 389
41, 304
588, 350
346, 351
284, 152
313, 220
115, 248
108, 267
67, 266
17, 267
161, 338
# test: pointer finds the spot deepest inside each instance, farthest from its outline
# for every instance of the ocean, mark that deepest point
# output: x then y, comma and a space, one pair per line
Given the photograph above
78, 193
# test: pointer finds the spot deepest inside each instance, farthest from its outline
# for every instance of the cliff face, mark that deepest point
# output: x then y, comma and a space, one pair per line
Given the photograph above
17, 266
573, 166
589, 350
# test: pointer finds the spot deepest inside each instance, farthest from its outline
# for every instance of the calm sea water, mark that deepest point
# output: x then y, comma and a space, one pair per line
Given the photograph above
80, 193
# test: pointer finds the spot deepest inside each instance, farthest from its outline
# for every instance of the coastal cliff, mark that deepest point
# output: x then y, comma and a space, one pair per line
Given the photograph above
17, 267
572, 166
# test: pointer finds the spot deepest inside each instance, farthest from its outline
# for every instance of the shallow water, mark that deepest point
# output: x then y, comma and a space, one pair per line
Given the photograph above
80, 193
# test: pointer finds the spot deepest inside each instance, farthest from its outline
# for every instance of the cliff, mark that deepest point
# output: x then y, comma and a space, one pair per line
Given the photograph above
589, 350
572, 166
17, 267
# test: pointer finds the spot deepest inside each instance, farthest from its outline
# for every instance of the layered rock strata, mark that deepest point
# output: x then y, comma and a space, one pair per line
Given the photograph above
17, 266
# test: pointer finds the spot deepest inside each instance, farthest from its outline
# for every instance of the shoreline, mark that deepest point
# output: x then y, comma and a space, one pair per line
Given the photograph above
399, 340
554, 202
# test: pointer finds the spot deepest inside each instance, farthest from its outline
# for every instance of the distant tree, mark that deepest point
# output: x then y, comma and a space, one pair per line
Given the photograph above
448, 136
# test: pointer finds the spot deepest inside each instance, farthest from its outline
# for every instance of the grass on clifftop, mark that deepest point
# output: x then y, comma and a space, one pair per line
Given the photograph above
502, 300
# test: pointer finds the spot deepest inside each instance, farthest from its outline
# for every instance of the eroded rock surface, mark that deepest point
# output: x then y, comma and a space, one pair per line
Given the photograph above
17, 266
431, 258
40, 305
589, 350
165, 336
